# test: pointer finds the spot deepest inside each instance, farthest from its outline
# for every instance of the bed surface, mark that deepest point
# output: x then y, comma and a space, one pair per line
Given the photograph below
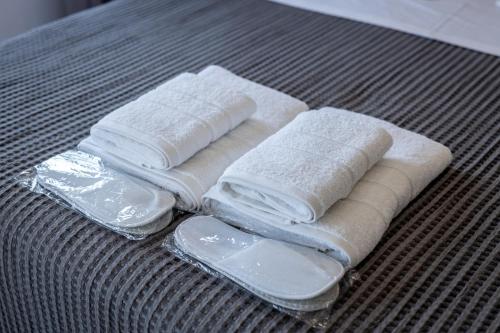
438, 266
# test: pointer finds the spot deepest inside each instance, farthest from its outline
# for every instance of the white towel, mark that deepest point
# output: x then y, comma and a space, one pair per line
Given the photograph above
169, 124
193, 178
296, 174
351, 228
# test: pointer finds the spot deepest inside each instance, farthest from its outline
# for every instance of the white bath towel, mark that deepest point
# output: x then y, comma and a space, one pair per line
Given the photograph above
296, 174
351, 228
169, 124
193, 178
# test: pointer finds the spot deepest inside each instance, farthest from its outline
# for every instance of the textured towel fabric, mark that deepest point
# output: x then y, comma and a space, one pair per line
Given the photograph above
436, 268
193, 178
296, 174
351, 228
169, 124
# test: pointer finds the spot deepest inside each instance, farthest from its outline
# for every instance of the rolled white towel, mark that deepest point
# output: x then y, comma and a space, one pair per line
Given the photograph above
352, 227
190, 180
169, 124
296, 174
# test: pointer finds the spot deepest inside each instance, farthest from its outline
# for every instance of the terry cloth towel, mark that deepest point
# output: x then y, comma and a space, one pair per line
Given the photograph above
190, 180
352, 227
289, 275
296, 174
169, 124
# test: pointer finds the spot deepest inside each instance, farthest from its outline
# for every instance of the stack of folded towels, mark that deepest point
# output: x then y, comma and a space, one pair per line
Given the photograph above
330, 180
182, 136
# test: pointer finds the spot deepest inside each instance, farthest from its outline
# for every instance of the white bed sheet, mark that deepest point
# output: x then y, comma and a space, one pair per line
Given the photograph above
474, 24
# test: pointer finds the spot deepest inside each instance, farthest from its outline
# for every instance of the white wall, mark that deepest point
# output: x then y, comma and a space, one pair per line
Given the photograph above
18, 16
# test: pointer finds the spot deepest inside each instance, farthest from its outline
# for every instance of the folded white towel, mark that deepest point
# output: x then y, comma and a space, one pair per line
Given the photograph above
169, 124
296, 174
351, 228
190, 180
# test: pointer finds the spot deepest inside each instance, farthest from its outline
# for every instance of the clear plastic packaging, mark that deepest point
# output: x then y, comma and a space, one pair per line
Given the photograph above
231, 216
296, 280
119, 202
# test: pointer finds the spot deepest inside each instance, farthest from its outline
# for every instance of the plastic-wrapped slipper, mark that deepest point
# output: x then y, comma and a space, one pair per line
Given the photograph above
104, 194
289, 275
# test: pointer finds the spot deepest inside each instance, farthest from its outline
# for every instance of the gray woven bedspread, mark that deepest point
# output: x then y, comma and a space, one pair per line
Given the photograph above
437, 268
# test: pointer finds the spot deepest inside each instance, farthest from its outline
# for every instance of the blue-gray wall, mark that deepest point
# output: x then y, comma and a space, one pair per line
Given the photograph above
18, 16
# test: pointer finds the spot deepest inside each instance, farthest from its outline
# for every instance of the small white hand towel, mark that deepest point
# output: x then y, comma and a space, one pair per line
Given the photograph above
190, 180
169, 124
296, 174
351, 228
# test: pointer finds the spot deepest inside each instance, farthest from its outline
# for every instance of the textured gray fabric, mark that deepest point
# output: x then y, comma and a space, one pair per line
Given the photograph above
437, 268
